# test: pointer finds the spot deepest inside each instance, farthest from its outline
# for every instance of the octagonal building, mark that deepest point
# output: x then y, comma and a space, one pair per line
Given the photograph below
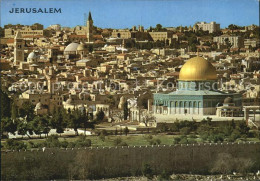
197, 92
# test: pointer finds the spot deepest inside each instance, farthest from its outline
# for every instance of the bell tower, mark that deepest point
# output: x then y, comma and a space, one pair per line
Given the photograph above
90, 28
18, 48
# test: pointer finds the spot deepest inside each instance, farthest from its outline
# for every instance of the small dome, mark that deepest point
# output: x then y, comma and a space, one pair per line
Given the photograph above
228, 100
72, 47
38, 105
69, 101
81, 47
197, 69
32, 55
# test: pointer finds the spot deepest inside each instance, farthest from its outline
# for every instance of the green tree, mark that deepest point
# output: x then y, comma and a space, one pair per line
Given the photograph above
125, 110
147, 171
126, 130
159, 28
90, 48
8, 125
142, 100
75, 120
22, 129
5, 104
57, 121
242, 127
27, 110
40, 125
116, 132
100, 116
14, 111
85, 119
45, 123
36, 125
233, 27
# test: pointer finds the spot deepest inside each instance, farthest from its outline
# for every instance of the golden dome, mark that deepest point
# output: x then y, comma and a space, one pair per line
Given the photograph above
197, 69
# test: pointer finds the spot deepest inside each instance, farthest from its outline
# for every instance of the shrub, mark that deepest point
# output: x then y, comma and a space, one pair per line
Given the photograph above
154, 141
184, 140
175, 127
185, 130
117, 141
176, 140
71, 145
64, 144
204, 136
12, 144
193, 136
85, 143
216, 137
31, 144
123, 144
256, 134
224, 164
52, 141
164, 176
147, 171
82, 141
154, 132
148, 137
235, 135
163, 128
192, 141
102, 137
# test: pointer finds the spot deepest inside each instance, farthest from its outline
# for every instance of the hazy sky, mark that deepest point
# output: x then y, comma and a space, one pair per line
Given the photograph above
126, 13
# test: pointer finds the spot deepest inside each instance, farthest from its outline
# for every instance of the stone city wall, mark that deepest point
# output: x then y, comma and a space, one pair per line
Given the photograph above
129, 160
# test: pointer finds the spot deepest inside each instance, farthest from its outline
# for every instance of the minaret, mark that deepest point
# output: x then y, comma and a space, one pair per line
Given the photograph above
89, 28
18, 48
51, 80
123, 46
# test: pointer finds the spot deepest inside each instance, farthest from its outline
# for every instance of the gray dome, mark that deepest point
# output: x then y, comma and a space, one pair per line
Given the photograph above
81, 47
32, 55
38, 105
228, 100
69, 101
72, 47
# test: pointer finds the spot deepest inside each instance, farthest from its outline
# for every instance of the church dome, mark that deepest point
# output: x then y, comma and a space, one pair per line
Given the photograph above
72, 47
197, 69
